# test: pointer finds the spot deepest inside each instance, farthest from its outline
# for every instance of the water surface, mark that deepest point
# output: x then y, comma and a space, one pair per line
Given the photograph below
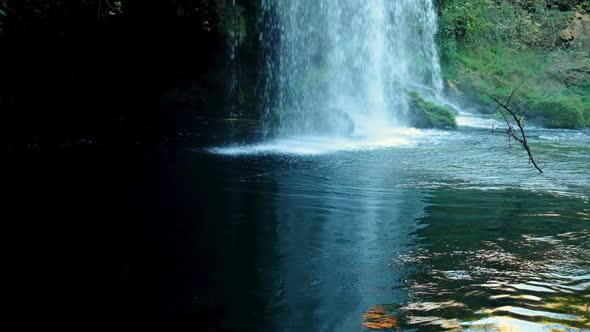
419, 231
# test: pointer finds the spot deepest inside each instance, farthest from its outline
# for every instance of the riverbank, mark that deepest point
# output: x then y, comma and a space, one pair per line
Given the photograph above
493, 47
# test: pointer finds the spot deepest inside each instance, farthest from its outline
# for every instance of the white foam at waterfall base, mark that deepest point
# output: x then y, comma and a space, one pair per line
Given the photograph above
317, 145
474, 120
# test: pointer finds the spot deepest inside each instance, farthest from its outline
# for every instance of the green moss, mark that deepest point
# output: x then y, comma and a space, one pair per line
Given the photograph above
232, 23
424, 114
493, 46
556, 84
559, 114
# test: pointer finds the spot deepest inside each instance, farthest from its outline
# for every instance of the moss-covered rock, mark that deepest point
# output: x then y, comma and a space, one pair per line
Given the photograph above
424, 114
559, 114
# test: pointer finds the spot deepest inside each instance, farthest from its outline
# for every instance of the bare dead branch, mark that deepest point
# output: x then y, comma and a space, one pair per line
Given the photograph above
513, 92
519, 137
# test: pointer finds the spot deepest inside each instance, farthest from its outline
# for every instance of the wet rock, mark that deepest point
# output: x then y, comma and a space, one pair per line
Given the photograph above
577, 33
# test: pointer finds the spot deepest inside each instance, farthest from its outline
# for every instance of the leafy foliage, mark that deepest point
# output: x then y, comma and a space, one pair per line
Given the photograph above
492, 45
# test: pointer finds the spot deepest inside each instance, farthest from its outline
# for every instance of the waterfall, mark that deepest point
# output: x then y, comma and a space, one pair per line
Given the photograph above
343, 67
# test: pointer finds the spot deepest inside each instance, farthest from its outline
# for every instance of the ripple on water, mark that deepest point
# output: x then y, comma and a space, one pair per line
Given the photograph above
532, 281
469, 158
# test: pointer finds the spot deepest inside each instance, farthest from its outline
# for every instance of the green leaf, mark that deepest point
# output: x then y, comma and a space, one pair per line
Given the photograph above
3, 13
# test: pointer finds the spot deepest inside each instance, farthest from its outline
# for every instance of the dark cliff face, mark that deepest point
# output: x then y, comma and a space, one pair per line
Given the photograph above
69, 71
94, 72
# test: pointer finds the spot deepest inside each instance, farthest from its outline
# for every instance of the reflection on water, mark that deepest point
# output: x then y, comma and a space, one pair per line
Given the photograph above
377, 318
442, 235
504, 269
338, 227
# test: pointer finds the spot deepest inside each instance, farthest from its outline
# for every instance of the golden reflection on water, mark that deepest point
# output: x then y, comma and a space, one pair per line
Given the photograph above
377, 318
530, 283
525, 269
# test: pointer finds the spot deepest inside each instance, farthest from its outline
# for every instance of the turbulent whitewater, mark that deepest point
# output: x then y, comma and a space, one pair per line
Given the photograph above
344, 67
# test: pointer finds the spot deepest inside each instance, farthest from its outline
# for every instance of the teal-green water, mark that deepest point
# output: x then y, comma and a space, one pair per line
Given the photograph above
447, 231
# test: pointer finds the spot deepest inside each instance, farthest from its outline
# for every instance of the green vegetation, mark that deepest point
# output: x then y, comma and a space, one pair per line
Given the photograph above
493, 45
424, 114
232, 23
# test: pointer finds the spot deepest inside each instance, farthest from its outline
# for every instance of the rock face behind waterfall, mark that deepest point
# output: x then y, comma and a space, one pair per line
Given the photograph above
424, 114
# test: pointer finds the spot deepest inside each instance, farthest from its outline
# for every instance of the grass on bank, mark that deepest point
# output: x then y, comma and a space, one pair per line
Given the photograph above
493, 46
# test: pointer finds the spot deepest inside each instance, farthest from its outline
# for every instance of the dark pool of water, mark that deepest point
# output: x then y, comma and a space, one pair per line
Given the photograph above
453, 232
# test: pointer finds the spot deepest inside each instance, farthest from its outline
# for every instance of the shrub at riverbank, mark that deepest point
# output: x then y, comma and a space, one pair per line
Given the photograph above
492, 46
